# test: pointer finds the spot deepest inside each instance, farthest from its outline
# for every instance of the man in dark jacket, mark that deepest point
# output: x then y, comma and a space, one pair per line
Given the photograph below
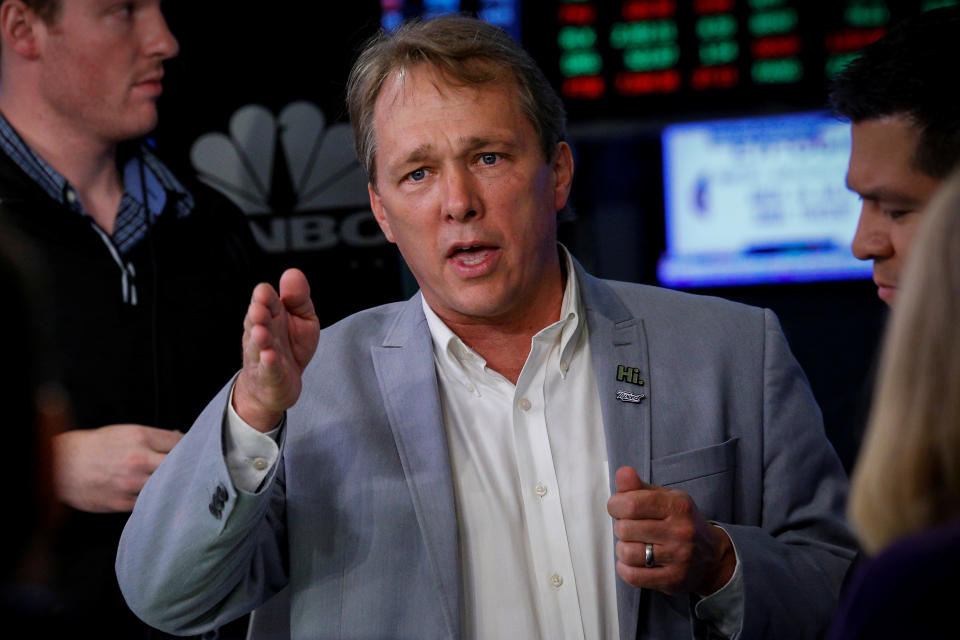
139, 261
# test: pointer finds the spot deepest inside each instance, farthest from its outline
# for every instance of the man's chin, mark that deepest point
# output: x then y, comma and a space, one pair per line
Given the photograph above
887, 294
137, 127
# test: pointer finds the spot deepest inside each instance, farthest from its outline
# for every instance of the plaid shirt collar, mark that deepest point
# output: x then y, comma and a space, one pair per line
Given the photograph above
159, 185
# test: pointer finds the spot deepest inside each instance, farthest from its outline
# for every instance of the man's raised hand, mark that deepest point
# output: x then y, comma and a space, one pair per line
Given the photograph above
280, 334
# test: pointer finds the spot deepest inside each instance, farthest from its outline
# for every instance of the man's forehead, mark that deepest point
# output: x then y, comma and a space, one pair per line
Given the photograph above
424, 80
884, 145
883, 161
409, 90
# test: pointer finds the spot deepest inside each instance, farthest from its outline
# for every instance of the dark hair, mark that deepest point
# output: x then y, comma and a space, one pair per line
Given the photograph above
909, 72
467, 51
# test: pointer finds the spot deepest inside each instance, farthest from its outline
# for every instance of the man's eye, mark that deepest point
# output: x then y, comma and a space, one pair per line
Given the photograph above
489, 158
417, 175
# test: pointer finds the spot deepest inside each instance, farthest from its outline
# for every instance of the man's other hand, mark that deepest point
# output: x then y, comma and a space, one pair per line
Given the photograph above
690, 555
280, 334
103, 470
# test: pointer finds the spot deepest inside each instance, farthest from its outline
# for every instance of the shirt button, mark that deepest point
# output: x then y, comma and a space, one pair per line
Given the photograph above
524, 404
259, 464
556, 580
564, 366
71, 196
470, 387
540, 489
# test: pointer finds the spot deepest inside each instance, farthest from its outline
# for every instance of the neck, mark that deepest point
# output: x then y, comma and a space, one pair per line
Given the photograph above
505, 342
88, 164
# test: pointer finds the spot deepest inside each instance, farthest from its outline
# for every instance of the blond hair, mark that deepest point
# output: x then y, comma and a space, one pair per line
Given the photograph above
907, 476
467, 52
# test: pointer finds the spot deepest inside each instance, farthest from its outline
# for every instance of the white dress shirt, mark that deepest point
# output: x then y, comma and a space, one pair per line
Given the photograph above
531, 483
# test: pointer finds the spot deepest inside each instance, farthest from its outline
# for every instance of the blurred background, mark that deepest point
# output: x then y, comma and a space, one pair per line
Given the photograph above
706, 157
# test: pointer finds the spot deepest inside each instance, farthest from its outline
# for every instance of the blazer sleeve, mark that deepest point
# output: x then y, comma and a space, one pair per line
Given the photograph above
197, 552
795, 562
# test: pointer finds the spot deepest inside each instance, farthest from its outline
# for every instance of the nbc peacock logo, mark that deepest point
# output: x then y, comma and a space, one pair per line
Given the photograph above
297, 179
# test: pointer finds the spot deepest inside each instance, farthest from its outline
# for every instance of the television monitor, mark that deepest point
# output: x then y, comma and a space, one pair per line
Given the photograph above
758, 200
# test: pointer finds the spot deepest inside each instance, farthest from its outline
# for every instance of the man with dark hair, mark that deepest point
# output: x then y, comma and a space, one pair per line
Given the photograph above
447, 469
132, 253
906, 134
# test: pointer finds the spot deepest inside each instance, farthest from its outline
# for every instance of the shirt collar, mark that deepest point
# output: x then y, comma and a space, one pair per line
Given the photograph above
455, 355
33, 165
571, 314
60, 190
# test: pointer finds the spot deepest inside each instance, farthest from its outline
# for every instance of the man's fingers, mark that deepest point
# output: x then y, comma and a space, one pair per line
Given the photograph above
647, 530
161, 440
295, 293
153, 460
627, 479
659, 578
256, 332
261, 337
259, 340
293, 284
271, 368
265, 295
634, 554
639, 505
257, 313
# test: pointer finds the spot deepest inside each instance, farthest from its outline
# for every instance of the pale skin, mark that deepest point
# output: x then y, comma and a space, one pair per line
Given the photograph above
74, 89
472, 207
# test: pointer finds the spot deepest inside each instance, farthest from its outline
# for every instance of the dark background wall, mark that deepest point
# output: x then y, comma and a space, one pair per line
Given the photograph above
248, 58
239, 54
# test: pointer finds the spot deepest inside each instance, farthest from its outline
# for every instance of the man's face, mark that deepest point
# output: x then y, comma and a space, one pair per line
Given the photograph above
101, 66
465, 192
893, 192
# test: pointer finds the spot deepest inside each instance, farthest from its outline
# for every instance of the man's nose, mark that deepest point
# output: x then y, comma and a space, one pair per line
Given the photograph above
872, 238
460, 198
159, 40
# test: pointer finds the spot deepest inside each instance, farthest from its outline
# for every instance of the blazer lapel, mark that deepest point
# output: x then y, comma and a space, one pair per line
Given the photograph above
619, 349
408, 384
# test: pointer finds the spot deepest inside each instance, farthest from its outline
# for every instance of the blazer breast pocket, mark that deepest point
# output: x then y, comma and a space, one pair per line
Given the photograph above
706, 474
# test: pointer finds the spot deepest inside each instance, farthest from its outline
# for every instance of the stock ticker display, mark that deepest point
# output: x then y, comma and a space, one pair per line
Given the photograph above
646, 57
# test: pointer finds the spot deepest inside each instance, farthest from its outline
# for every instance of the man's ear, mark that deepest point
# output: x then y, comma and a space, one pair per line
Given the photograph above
378, 212
18, 28
562, 167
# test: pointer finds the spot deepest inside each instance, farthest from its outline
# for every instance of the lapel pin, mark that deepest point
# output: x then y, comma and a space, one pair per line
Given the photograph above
629, 374
626, 396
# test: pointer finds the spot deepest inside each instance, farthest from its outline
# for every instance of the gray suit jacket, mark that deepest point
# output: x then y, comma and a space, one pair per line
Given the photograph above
358, 517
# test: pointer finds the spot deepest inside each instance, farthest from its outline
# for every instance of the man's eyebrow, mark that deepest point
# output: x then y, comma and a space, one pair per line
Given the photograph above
884, 194
476, 142
418, 154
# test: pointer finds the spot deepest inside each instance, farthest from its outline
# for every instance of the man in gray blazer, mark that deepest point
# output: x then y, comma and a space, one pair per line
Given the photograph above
443, 467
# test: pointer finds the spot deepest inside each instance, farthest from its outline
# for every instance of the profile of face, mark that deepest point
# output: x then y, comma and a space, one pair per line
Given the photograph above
465, 192
101, 66
893, 192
